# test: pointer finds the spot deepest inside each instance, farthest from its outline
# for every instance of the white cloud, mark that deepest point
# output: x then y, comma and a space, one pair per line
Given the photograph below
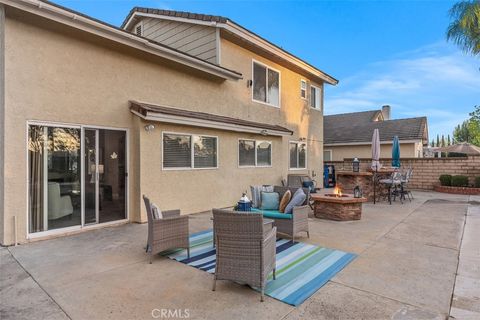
436, 81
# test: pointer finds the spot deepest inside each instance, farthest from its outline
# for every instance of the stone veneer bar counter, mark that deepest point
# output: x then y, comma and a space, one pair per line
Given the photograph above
348, 180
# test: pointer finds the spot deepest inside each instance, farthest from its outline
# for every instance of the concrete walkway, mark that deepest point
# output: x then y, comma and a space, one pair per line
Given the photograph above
466, 296
406, 269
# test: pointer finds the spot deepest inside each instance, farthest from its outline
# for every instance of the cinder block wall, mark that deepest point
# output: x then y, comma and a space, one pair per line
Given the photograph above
426, 171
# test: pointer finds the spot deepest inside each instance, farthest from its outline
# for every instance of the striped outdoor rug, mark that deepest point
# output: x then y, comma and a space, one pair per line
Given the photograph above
301, 270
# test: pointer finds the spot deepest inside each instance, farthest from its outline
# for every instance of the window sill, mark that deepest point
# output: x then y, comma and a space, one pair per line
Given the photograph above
265, 103
188, 169
254, 167
297, 169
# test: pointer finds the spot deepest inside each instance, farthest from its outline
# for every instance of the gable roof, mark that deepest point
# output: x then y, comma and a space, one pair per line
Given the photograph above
357, 128
235, 30
66, 16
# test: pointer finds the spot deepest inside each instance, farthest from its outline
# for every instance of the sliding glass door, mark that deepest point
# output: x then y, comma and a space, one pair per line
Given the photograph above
77, 176
54, 185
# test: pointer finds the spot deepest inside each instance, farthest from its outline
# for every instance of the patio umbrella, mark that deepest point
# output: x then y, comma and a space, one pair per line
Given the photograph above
395, 152
375, 159
463, 147
376, 150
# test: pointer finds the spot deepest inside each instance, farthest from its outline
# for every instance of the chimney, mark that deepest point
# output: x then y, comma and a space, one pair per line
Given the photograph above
386, 112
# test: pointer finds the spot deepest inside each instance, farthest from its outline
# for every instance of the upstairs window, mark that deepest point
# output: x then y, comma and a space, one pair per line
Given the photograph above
303, 89
252, 153
315, 97
184, 151
266, 85
298, 155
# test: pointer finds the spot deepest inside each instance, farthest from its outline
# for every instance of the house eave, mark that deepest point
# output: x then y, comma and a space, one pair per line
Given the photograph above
79, 21
152, 116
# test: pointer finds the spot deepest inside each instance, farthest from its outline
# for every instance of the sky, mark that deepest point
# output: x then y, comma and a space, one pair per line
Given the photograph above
382, 52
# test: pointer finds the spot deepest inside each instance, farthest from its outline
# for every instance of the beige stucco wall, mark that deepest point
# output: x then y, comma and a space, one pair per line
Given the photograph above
407, 150
2, 116
57, 74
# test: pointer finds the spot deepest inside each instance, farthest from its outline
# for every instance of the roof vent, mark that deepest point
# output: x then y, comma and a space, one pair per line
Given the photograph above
386, 109
138, 30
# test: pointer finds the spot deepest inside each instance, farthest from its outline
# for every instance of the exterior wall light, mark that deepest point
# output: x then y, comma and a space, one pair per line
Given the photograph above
149, 127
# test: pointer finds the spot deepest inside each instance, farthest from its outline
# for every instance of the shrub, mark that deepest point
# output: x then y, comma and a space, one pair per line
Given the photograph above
477, 182
460, 181
446, 180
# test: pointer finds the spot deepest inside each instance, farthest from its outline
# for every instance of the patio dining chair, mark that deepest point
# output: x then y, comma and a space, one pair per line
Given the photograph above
245, 252
392, 186
167, 232
405, 180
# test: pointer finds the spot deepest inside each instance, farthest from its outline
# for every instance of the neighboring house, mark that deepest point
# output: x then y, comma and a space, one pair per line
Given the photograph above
188, 109
349, 135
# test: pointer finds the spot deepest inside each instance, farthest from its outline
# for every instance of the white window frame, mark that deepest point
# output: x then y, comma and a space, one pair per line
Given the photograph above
306, 155
303, 81
256, 144
331, 154
279, 84
192, 151
318, 95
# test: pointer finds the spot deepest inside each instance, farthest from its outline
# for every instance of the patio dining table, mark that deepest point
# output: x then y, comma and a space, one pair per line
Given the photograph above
383, 173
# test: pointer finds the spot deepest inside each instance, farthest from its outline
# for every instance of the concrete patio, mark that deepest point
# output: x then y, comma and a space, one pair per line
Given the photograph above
408, 268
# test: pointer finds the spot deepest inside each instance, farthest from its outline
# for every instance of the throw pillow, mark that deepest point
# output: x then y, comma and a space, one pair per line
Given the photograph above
298, 199
255, 190
285, 200
270, 200
256, 194
157, 213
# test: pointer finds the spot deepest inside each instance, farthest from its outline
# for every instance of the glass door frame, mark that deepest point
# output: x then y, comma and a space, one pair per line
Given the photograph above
82, 226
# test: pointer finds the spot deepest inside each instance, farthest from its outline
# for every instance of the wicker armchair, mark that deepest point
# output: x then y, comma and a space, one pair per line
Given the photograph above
245, 253
169, 232
299, 221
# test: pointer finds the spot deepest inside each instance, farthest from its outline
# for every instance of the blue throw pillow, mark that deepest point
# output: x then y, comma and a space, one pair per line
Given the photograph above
298, 199
270, 200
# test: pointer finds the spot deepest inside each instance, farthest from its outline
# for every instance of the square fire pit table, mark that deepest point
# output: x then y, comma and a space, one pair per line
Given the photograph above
337, 207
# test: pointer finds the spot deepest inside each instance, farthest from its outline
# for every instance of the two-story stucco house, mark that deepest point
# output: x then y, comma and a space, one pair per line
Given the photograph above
189, 109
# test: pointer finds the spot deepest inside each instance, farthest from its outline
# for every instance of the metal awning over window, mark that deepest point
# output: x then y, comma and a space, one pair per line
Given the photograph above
201, 119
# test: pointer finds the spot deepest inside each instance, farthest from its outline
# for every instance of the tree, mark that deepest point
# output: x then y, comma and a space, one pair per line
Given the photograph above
438, 140
449, 142
443, 141
433, 143
469, 130
464, 30
461, 132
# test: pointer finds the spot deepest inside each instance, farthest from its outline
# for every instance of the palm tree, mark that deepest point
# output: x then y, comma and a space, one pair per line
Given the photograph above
464, 30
